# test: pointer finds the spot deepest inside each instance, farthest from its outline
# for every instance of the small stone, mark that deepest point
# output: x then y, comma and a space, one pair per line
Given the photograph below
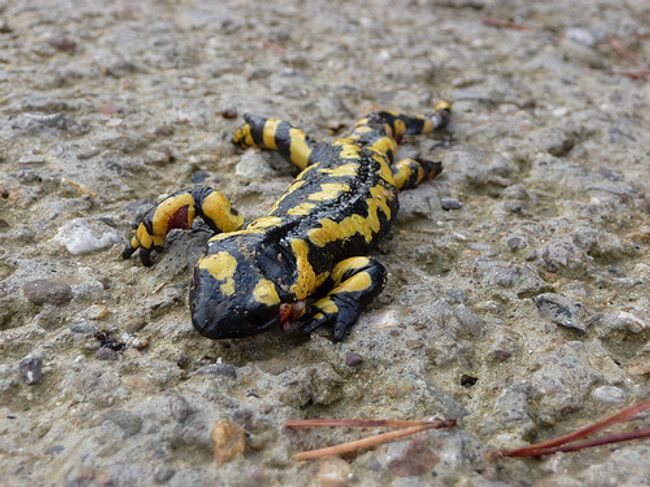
581, 36
410, 459
225, 370
333, 472
97, 312
580, 54
49, 291
199, 176
609, 394
253, 165
156, 157
501, 355
515, 242
83, 327
62, 43
129, 422
181, 410
81, 236
470, 323
104, 353
562, 311
229, 113
163, 474
450, 204
229, 441
353, 359
30, 369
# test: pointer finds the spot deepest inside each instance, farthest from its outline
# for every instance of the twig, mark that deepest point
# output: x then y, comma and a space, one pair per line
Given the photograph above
642, 75
535, 449
370, 441
505, 24
605, 440
621, 50
360, 423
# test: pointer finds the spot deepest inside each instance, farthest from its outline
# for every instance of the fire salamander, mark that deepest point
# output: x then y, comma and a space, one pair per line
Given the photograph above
306, 264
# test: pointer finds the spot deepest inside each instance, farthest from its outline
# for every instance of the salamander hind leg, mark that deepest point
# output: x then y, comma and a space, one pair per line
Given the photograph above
178, 211
408, 173
275, 134
354, 282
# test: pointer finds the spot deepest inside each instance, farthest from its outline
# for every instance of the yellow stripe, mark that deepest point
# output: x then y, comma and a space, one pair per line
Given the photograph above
268, 134
299, 151
266, 293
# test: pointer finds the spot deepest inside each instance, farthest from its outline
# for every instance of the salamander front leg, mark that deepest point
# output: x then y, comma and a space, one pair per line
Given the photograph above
354, 282
178, 211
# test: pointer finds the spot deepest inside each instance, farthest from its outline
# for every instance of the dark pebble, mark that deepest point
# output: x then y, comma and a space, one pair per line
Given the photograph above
63, 43
43, 291
54, 450
105, 354
199, 176
3, 223
130, 423
353, 359
226, 370
229, 113
468, 380
501, 355
30, 370
450, 204
163, 474
413, 460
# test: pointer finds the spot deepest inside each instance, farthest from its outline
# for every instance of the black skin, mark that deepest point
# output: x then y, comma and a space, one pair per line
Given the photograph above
351, 187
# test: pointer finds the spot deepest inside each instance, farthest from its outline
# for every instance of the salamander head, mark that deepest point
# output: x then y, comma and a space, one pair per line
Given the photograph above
230, 298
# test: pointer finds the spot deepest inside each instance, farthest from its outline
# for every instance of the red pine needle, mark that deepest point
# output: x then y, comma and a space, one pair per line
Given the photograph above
549, 446
364, 423
364, 443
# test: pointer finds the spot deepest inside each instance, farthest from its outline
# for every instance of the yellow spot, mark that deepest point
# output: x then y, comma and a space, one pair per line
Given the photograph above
301, 210
400, 127
222, 267
299, 151
166, 210
349, 169
388, 129
319, 316
348, 149
304, 172
428, 126
329, 191
326, 305
361, 122
346, 265
297, 183
442, 105
331, 231
385, 171
266, 293
356, 283
264, 222
384, 144
306, 281
143, 236
268, 134
362, 129
218, 209
381, 196
134, 243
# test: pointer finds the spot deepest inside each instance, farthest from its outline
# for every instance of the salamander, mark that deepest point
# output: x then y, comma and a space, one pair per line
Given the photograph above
306, 264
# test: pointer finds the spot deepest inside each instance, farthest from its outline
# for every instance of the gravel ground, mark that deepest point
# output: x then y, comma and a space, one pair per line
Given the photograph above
518, 292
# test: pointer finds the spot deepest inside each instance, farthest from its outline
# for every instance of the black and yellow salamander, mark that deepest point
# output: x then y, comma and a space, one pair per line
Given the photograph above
307, 262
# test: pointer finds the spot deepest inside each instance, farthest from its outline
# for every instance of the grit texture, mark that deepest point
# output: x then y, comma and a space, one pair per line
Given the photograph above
518, 299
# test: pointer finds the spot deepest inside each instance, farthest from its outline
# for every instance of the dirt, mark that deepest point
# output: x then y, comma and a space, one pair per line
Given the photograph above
521, 308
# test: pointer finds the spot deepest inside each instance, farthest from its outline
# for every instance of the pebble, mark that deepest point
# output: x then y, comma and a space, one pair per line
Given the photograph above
63, 43
30, 369
450, 204
229, 441
581, 36
81, 236
470, 323
104, 353
410, 458
51, 291
609, 394
224, 370
562, 311
253, 165
353, 359
333, 472
515, 242
163, 474
130, 423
